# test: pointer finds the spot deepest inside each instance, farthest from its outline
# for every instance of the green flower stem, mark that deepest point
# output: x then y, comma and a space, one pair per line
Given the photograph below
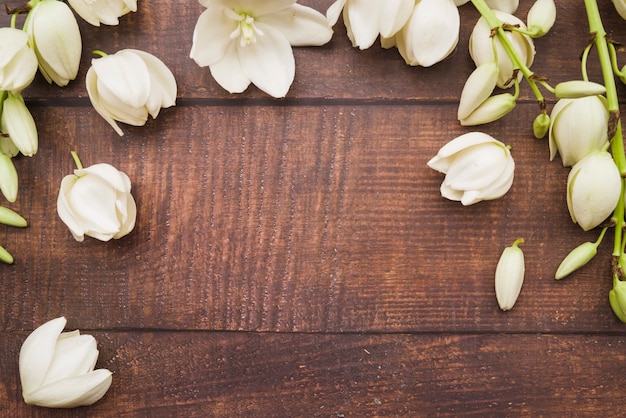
79, 165
497, 27
596, 28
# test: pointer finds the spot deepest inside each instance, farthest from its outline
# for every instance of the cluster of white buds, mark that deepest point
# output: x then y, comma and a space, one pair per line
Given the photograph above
490, 45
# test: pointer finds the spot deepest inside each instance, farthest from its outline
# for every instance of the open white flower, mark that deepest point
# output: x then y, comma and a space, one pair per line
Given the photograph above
129, 85
365, 20
578, 126
593, 189
57, 368
18, 62
55, 36
96, 201
430, 34
482, 49
477, 167
249, 41
103, 11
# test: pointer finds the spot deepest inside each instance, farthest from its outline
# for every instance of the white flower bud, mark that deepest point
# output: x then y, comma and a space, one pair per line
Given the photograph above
431, 33
18, 62
541, 125
103, 11
576, 259
574, 89
477, 88
481, 47
57, 368
578, 126
477, 167
129, 85
541, 17
17, 122
8, 178
593, 189
494, 108
54, 33
510, 276
96, 201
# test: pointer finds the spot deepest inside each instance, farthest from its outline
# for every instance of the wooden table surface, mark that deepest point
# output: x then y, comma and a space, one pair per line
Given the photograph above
294, 257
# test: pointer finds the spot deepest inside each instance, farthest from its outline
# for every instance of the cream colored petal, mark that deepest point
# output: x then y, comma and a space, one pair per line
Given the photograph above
334, 11
509, 277
73, 392
301, 25
478, 87
363, 16
259, 8
211, 36
394, 15
93, 204
20, 125
506, 6
477, 167
82, 8
74, 355
229, 73
125, 75
269, 63
65, 211
119, 110
128, 222
162, 83
108, 174
442, 160
501, 185
36, 354
91, 83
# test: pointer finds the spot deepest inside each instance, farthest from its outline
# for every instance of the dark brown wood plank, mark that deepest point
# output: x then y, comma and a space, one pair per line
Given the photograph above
335, 70
296, 219
199, 374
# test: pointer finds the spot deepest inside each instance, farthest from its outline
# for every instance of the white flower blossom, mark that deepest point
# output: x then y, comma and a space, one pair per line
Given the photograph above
129, 85
57, 368
365, 20
18, 62
249, 41
107, 12
96, 201
477, 167
510, 275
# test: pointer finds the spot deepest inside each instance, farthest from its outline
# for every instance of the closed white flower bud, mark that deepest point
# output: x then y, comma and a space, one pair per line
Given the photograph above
129, 85
494, 108
541, 125
578, 126
510, 276
431, 33
103, 11
18, 62
481, 47
54, 33
541, 17
8, 178
57, 368
574, 89
477, 167
593, 189
477, 88
96, 201
17, 122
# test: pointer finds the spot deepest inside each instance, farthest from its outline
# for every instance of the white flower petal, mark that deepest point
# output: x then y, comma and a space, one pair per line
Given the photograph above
211, 36
394, 15
477, 167
37, 352
72, 392
65, 211
74, 355
91, 82
93, 203
334, 11
269, 63
162, 83
125, 75
301, 25
363, 16
229, 73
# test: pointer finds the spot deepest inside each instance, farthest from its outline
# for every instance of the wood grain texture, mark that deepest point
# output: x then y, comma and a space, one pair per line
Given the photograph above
295, 258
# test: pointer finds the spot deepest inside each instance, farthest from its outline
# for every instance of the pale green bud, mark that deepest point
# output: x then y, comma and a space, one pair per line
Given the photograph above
11, 218
510, 275
620, 6
477, 88
617, 299
8, 178
17, 122
541, 125
541, 17
5, 256
593, 189
577, 258
578, 88
491, 109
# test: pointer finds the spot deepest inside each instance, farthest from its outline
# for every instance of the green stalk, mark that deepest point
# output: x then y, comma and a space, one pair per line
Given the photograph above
596, 29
